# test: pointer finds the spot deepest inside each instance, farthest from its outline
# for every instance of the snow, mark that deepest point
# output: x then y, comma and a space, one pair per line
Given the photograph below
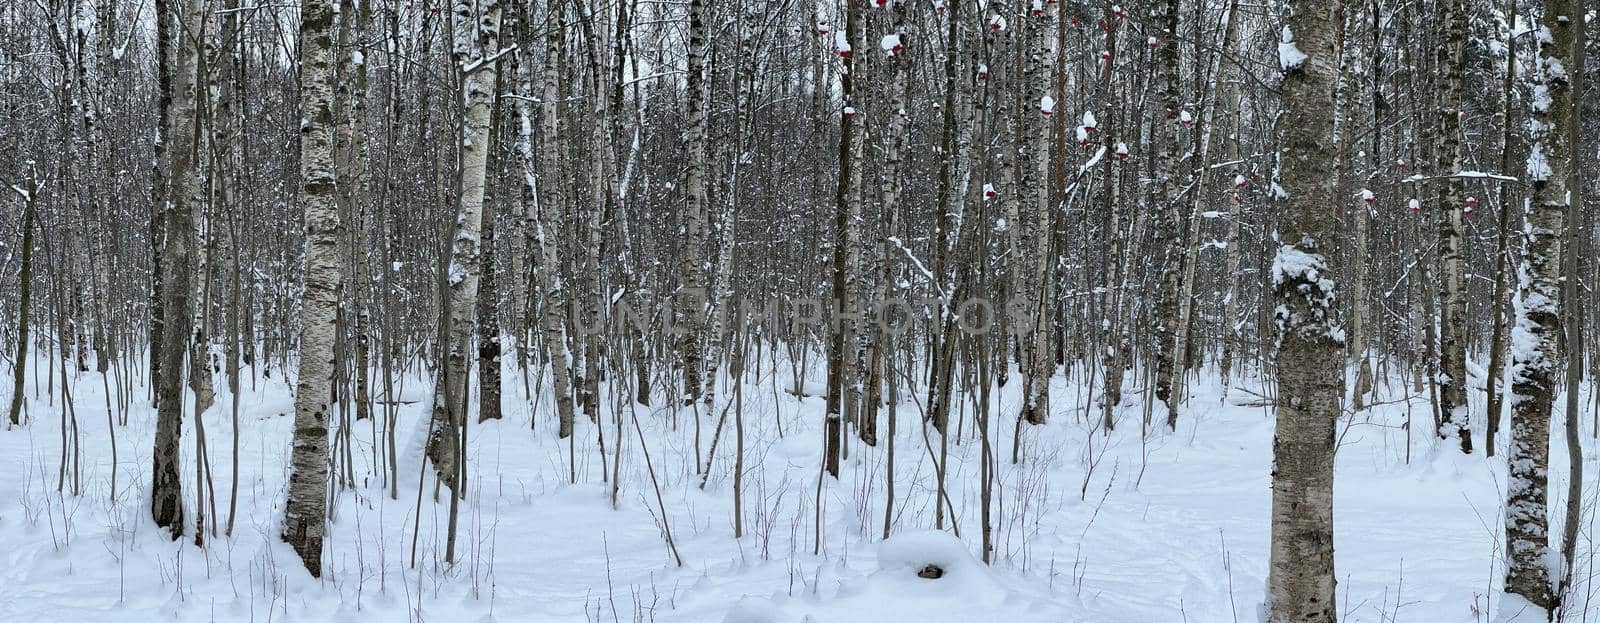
1292, 263
1088, 120
890, 44
997, 23
1047, 104
1289, 56
1538, 166
1555, 69
1090, 527
1517, 609
1541, 98
1093, 160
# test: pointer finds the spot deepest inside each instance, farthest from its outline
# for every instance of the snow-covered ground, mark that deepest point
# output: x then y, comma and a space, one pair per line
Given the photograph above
1089, 527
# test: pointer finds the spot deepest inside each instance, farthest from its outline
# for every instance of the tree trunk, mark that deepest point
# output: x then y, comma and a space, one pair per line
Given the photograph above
185, 198
304, 522
690, 298
488, 303
1164, 204
1300, 581
847, 213
1453, 405
1034, 264
544, 229
477, 57
1537, 332
25, 299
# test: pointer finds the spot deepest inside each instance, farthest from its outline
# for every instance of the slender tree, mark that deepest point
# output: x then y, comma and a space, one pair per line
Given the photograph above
1300, 580
303, 523
184, 199
1536, 335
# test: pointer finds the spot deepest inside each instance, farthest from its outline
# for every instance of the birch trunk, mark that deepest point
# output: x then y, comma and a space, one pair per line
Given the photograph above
1453, 405
691, 295
183, 200
899, 62
1184, 347
1164, 203
847, 214
304, 522
547, 214
488, 332
1300, 581
1535, 337
1033, 261
24, 301
159, 191
477, 44
1114, 330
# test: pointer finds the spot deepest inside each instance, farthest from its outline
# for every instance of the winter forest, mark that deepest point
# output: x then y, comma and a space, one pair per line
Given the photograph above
779, 311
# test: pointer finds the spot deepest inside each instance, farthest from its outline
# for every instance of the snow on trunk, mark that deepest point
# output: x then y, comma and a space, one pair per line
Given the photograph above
1300, 577
1536, 333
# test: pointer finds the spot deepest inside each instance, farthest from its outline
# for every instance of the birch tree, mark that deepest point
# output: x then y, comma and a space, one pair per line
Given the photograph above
1300, 580
1034, 258
846, 217
184, 198
476, 52
1452, 296
303, 521
546, 190
1536, 335
690, 298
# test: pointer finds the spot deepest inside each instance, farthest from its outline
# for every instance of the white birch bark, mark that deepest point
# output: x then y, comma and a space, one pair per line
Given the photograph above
548, 213
477, 45
303, 524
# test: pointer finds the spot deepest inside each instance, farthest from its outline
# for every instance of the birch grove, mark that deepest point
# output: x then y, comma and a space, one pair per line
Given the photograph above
476, 297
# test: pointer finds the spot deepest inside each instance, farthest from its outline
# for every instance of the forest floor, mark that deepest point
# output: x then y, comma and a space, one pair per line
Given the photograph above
1089, 527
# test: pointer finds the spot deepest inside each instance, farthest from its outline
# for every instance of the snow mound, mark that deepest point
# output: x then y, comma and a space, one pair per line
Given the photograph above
905, 589
1516, 609
917, 555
